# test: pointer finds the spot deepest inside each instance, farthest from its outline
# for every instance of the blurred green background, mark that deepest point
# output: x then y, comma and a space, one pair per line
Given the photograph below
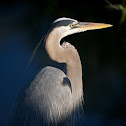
102, 52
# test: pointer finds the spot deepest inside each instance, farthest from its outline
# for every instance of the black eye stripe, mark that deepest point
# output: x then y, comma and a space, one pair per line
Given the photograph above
60, 23
63, 23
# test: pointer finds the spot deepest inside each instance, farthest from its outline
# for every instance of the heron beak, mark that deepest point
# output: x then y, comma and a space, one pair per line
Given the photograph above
84, 26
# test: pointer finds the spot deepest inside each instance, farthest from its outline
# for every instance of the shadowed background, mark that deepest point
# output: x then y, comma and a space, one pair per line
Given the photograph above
102, 52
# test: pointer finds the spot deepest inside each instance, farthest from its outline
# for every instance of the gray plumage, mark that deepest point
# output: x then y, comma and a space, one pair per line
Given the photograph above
36, 106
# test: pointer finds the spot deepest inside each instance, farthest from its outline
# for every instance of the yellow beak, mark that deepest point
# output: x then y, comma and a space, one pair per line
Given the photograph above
84, 26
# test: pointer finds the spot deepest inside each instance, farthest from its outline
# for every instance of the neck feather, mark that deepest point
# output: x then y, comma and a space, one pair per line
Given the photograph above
69, 56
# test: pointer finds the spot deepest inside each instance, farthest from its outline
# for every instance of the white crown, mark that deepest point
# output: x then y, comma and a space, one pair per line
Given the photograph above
64, 18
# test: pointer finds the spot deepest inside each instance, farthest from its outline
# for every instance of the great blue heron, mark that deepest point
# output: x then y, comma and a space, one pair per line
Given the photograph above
54, 98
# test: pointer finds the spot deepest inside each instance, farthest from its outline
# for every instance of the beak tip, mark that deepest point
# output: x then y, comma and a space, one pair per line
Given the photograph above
110, 25
106, 25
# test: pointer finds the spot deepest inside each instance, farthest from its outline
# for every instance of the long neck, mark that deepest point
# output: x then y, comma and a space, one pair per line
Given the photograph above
69, 56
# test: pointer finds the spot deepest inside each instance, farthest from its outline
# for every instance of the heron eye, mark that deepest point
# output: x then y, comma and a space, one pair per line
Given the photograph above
72, 25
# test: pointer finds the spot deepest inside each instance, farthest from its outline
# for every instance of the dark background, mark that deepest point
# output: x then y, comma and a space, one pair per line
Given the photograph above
102, 52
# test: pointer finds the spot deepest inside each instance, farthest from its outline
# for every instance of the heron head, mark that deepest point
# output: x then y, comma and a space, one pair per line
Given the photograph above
68, 26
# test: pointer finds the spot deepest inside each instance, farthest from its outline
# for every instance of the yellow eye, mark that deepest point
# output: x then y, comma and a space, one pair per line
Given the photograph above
72, 25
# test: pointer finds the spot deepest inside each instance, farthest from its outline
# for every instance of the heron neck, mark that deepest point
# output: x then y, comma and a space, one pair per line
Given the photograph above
69, 56
53, 47
74, 73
